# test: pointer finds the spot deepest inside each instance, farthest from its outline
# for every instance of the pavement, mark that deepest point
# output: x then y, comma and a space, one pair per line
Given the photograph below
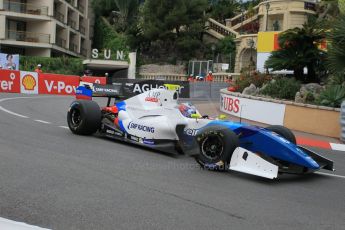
53, 179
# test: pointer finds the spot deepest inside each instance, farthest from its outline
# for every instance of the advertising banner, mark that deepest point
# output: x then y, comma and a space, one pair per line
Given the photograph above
57, 84
131, 87
254, 110
9, 81
28, 82
97, 80
9, 61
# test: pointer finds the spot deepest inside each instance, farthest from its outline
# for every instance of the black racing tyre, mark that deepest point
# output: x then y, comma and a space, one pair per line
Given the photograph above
284, 132
84, 117
216, 144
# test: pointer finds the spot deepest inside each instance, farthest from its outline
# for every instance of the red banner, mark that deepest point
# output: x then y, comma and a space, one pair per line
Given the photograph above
98, 80
57, 84
9, 81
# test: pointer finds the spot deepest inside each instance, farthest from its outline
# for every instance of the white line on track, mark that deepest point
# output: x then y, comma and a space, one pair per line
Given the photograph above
44, 122
14, 225
329, 174
12, 113
64, 127
338, 147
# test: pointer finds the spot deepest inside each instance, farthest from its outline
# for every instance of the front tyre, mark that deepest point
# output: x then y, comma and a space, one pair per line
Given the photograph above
84, 117
216, 145
284, 132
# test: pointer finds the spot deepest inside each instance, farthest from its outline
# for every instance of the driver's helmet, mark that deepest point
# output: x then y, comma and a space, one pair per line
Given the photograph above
187, 109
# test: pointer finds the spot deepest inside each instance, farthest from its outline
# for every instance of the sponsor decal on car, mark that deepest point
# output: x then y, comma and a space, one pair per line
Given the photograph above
152, 96
140, 127
148, 142
191, 132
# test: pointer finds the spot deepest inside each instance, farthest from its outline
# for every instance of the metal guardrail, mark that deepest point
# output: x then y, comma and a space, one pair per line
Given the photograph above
217, 77
342, 121
27, 36
206, 90
25, 8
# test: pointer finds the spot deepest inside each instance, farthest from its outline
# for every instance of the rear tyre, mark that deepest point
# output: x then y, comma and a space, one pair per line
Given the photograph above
284, 132
216, 144
84, 117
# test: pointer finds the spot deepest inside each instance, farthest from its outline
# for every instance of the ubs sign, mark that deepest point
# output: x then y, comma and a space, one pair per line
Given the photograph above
107, 54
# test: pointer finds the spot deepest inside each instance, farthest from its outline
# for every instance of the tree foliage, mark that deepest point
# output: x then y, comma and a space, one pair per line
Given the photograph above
336, 47
173, 26
223, 9
299, 49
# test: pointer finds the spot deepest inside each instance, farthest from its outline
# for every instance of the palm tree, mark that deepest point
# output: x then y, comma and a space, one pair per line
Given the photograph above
336, 50
299, 50
126, 13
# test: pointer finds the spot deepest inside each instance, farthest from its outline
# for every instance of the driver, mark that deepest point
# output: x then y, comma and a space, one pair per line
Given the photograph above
187, 109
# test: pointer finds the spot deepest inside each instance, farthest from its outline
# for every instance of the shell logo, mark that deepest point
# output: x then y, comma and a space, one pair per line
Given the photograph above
29, 82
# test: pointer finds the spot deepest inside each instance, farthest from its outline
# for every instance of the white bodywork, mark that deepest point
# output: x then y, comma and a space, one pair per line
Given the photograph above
154, 115
245, 161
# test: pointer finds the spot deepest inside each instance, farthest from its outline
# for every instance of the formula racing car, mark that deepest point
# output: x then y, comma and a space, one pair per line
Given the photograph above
156, 120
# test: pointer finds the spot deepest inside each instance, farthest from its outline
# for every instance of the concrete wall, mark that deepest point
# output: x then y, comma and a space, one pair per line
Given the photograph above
311, 120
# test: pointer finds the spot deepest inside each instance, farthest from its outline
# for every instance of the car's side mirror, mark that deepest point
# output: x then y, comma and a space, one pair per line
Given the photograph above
195, 115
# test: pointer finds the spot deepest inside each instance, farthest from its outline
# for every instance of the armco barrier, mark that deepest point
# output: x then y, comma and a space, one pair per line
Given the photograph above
12, 81
342, 121
206, 90
313, 119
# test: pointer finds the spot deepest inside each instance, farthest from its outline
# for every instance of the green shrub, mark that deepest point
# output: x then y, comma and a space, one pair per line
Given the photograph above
257, 79
336, 79
284, 88
58, 65
332, 96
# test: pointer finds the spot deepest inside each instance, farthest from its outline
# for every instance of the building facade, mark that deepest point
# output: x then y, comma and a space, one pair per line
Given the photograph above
47, 28
267, 16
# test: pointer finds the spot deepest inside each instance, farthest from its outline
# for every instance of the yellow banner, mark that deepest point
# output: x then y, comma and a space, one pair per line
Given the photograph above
267, 42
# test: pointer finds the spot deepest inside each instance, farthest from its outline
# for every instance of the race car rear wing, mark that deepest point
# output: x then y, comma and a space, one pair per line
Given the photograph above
86, 91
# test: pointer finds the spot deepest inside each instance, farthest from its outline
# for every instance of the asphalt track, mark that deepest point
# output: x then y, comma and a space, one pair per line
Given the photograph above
54, 179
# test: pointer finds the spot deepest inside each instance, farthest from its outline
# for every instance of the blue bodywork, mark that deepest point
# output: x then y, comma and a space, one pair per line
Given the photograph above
261, 140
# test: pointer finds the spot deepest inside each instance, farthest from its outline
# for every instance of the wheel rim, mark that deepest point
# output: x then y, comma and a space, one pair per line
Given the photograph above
212, 147
75, 117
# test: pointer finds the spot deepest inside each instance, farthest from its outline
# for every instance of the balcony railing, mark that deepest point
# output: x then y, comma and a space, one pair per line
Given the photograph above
25, 8
59, 16
81, 8
84, 52
72, 23
82, 29
61, 42
28, 36
220, 28
73, 47
70, 2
